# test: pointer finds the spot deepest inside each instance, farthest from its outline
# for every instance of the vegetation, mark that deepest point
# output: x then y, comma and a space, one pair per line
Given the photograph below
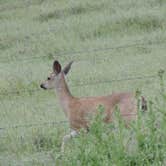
108, 40
142, 144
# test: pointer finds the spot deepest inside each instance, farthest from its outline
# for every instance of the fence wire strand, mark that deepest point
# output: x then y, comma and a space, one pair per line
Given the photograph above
83, 84
83, 51
62, 122
54, 123
80, 84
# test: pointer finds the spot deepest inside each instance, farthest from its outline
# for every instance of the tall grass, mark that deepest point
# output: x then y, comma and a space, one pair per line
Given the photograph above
33, 33
143, 143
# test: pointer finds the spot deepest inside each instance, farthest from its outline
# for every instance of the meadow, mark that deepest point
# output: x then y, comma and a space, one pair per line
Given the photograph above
116, 46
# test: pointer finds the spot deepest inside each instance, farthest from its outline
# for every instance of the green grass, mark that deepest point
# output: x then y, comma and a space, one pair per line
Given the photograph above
141, 144
34, 33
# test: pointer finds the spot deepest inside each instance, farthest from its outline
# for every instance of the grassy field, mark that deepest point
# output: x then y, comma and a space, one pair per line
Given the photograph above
108, 40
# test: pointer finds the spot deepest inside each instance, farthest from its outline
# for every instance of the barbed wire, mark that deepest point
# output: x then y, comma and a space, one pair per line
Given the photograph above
13, 7
83, 84
29, 125
33, 125
79, 84
19, 92
118, 80
83, 51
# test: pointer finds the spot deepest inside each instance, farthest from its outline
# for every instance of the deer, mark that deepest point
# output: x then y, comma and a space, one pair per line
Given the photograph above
77, 110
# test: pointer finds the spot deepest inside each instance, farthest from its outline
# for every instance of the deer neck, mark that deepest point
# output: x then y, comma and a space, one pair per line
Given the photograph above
63, 93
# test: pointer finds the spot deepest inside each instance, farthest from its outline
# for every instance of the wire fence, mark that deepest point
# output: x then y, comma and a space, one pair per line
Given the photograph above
19, 92
137, 43
18, 6
141, 43
54, 123
6, 128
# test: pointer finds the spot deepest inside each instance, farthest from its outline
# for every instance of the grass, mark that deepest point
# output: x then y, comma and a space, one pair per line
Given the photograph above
34, 33
142, 144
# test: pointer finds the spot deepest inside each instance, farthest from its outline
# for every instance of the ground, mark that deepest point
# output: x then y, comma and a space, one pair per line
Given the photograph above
115, 45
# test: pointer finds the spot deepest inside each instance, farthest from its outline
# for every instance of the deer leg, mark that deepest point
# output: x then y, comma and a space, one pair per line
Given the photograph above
66, 138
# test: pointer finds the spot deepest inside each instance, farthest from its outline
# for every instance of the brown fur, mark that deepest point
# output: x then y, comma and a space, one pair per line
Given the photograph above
79, 110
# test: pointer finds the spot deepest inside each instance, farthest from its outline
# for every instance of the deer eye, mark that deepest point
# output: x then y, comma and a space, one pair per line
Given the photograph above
48, 78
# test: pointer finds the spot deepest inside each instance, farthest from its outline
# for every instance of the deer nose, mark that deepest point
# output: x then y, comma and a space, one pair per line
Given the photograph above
42, 86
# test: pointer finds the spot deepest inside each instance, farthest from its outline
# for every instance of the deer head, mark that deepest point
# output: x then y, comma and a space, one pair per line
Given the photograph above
53, 80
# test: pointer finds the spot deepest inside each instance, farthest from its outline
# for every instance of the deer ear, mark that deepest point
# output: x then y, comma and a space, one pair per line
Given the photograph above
56, 67
67, 68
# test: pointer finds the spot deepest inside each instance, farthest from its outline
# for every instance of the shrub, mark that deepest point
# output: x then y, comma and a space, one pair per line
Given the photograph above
143, 143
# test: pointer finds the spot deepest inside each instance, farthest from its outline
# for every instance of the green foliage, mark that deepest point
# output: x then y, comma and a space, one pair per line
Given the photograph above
108, 144
35, 32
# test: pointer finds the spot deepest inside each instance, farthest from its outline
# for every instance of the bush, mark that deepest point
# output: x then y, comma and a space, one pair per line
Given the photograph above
143, 143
